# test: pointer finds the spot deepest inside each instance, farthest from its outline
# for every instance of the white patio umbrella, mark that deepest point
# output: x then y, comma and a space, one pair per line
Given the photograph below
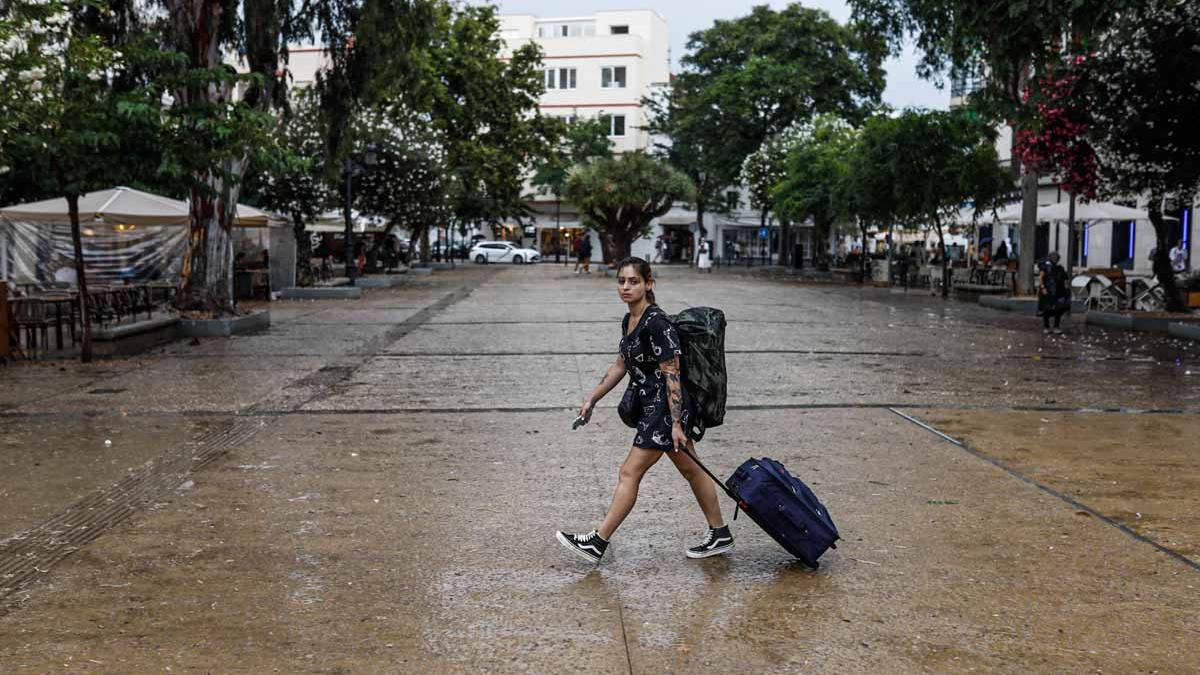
1091, 211
1007, 214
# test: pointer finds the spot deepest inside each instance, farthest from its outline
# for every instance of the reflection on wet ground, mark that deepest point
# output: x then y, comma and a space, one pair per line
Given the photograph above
386, 475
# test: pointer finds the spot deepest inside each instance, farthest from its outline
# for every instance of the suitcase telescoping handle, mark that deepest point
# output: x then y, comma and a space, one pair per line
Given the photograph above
716, 480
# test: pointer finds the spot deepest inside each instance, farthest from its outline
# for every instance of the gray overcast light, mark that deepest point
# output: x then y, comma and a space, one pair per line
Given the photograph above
684, 17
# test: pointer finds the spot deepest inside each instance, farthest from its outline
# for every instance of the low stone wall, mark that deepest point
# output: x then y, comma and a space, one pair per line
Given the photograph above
235, 325
321, 293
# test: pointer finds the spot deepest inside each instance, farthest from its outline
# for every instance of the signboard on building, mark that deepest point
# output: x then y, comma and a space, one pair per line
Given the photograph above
764, 232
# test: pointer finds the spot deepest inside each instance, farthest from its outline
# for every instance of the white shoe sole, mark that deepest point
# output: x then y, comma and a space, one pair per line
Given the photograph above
708, 554
562, 539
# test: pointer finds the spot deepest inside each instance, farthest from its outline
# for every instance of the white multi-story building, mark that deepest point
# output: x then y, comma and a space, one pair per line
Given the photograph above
601, 65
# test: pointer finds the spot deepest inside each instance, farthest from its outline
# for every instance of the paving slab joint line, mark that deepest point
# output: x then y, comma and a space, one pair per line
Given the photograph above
1052, 492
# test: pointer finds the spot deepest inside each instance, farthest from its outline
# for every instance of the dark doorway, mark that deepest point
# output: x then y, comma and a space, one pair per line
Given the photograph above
1041, 247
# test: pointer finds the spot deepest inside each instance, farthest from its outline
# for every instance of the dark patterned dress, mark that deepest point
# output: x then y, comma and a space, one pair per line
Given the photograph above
653, 340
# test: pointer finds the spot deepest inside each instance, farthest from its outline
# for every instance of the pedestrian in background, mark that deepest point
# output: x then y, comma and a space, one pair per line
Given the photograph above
704, 260
585, 254
1178, 258
1054, 294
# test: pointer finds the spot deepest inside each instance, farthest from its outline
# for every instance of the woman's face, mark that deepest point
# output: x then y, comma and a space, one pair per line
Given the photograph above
630, 285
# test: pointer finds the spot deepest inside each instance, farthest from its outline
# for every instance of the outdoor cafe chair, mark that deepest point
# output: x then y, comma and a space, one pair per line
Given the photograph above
62, 309
1147, 297
31, 316
101, 305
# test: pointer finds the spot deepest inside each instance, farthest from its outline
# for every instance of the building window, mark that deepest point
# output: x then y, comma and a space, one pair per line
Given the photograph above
612, 77
564, 30
1124, 237
618, 30
616, 124
541, 31
566, 78
551, 82
571, 119
732, 200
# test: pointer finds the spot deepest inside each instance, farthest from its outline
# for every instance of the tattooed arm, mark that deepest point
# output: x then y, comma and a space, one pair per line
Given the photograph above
612, 377
670, 371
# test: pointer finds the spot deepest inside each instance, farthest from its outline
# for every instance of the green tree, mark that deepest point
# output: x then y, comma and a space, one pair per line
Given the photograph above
747, 79
938, 160
762, 171
1144, 98
379, 52
63, 118
486, 110
1006, 42
297, 186
578, 142
574, 142
814, 174
620, 196
410, 185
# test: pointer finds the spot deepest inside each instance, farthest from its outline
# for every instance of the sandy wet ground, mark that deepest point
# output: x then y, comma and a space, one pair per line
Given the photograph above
398, 464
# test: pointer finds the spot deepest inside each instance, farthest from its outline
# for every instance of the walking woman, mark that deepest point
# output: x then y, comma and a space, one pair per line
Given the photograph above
658, 406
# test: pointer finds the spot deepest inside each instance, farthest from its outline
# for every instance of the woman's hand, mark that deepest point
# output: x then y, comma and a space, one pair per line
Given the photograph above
585, 410
678, 437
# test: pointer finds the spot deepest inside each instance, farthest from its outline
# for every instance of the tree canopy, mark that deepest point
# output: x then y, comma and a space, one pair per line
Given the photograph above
815, 173
1144, 96
747, 79
576, 142
620, 196
939, 162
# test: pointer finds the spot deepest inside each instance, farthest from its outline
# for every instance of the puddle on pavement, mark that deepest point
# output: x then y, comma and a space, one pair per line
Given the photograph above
1141, 470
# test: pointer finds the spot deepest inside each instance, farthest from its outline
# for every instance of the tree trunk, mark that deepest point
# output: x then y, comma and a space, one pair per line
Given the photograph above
206, 279
425, 244
946, 261
206, 282
701, 231
621, 242
304, 271
1026, 281
862, 258
1162, 256
85, 318
606, 246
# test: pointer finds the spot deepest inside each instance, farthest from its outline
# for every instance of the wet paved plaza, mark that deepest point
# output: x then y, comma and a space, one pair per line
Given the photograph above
372, 486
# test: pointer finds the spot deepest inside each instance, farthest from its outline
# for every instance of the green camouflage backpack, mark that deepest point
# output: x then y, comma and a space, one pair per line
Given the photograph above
702, 331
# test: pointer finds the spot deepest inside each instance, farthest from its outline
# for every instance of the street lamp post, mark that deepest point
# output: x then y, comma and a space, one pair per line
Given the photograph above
356, 164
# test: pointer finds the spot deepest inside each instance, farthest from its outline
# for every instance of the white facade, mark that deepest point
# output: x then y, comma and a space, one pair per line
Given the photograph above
596, 65
602, 64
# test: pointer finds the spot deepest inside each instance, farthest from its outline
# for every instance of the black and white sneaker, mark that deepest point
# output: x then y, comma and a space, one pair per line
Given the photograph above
718, 541
589, 545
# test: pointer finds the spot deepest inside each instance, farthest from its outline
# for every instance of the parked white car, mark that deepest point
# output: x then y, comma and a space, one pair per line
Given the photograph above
503, 251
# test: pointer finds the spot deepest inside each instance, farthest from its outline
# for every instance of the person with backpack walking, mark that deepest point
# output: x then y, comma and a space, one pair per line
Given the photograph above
1054, 294
658, 406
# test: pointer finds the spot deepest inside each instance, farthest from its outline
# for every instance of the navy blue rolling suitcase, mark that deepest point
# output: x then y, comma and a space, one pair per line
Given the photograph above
782, 505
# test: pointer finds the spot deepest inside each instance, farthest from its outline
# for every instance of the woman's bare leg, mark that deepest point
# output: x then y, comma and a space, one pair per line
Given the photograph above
629, 478
702, 486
